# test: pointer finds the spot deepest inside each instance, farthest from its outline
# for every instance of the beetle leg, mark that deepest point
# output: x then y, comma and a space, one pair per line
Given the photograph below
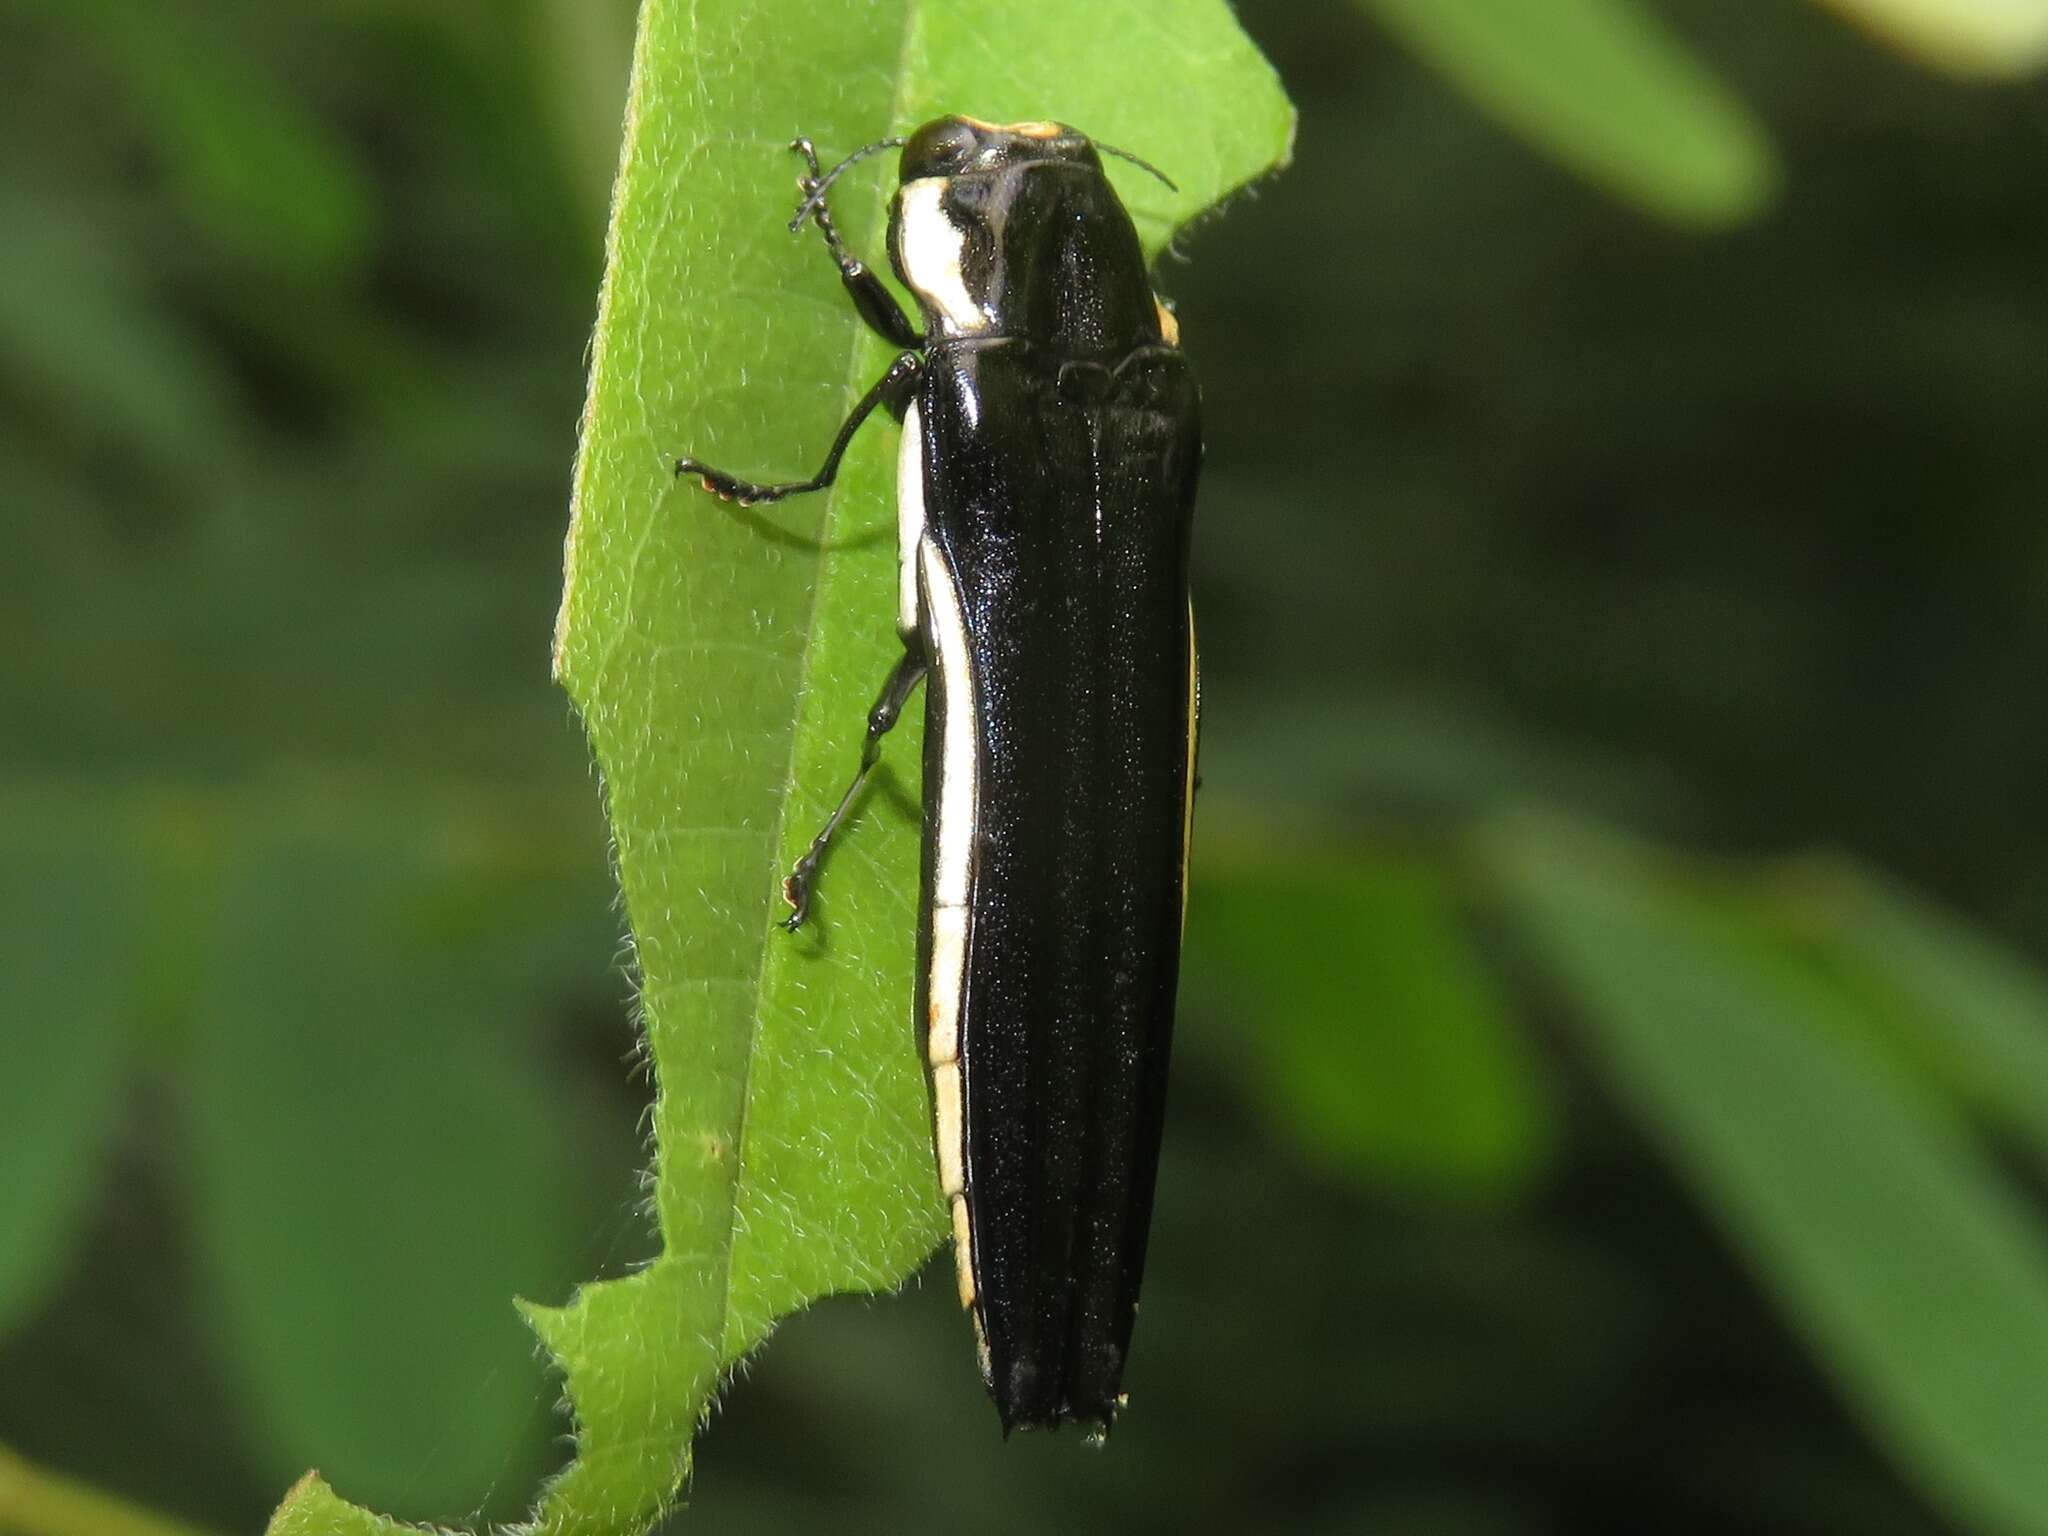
876, 304
892, 390
888, 709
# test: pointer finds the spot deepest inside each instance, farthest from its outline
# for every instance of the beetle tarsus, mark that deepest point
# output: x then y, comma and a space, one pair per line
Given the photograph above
731, 488
796, 890
893, 389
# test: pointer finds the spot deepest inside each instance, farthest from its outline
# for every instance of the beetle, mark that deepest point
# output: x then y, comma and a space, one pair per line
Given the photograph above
1049, 455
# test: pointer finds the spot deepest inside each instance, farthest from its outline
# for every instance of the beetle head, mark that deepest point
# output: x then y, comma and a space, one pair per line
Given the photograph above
1014, 230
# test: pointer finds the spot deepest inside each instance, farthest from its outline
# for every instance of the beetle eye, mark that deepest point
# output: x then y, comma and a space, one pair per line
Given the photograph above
938, 149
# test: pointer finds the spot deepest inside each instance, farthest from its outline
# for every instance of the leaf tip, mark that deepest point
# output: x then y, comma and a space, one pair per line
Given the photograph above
312, 1508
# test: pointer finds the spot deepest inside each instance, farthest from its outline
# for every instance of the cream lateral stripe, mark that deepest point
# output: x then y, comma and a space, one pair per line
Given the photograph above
953, 809
909, 519
931, 246
956, 787
949, 954
963, 1252
950, 1131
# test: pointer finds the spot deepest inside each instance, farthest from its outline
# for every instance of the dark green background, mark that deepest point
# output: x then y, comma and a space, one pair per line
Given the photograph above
1732, 540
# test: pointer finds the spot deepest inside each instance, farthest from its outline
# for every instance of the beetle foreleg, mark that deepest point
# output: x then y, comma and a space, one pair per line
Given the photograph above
893, 390
876, 304
888, 709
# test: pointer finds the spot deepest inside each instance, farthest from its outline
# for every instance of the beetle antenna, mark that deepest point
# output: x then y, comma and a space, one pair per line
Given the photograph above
817, 186
1143, 165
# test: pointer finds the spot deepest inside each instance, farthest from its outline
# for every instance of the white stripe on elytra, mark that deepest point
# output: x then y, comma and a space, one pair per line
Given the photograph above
909, 519
932, 247
949, 955
953, 813
956, 773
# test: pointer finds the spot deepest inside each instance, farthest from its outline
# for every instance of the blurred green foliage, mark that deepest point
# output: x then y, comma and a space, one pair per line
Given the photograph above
1431, 1081
1602, 87
1675, 1195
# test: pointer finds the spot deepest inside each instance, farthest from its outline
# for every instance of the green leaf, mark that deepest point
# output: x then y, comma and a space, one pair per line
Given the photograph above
1966, 37
377, 1167
1979, 1011
1604, 88
313, 1509
723, 660
1917, 1272
1376, 1043
67, 899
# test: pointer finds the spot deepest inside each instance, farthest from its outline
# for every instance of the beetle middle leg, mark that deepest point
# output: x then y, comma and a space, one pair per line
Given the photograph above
892, 390
888, 709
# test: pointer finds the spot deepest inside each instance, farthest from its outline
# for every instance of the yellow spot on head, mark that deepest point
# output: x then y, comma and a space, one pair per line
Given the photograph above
1034, 130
